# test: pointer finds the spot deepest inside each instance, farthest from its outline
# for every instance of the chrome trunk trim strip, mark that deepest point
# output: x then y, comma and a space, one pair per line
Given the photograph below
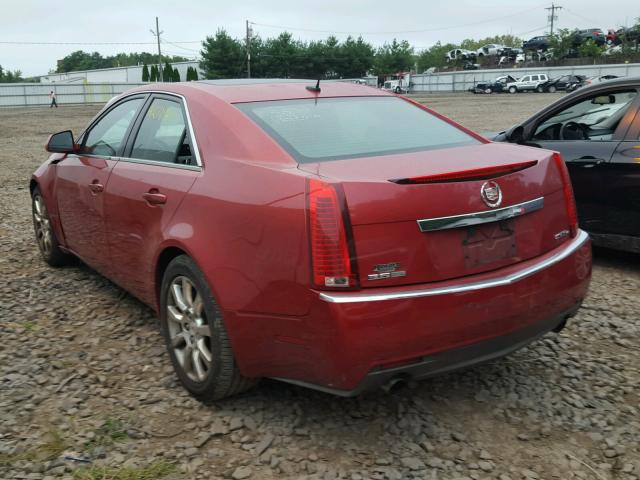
566, 250
477, 218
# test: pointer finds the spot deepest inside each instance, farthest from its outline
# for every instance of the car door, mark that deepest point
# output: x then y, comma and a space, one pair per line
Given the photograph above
621, 183
588, 158
147, 185
82, 178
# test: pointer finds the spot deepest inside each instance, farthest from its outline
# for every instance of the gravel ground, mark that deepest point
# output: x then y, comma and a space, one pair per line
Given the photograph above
84, 375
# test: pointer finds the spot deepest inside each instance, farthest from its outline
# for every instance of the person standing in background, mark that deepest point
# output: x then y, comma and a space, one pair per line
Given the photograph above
52, 96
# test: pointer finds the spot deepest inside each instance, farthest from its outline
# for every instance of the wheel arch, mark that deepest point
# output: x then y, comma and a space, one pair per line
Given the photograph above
164, 258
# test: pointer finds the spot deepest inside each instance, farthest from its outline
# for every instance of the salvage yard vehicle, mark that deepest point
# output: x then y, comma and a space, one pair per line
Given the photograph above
536, 43
331, 236
529, 83
563, 83
460, 54
597, 131
490, 49
499, 85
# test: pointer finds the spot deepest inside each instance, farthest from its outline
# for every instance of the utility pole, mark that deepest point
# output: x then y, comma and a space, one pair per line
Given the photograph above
248, 50
552, 16
157, 34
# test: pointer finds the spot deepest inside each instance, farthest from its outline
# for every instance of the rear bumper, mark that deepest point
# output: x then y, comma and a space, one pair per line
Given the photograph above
355, 341
450, 360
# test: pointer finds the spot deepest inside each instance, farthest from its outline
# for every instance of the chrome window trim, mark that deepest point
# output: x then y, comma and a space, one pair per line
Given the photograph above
477, 218
145, 161
512, 278
196, 150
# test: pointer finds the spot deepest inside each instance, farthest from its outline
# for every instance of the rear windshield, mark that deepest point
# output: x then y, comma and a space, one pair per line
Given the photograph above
337, 128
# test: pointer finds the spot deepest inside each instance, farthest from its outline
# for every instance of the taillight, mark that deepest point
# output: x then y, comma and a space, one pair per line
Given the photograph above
567, 189
331, 253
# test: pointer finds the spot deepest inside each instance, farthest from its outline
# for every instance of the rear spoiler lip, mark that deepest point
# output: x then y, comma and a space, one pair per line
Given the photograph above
483, 173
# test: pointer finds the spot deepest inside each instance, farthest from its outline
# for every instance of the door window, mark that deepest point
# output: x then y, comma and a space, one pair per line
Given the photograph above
534, 78
594, 118
163, 134
107, 137
525, 79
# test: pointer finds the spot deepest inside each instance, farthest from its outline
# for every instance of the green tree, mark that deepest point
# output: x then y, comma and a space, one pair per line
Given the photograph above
562, 43
80, 60
394, 57
356, 58
153, 74
175, 76
8, 76
590, 49
282, 57
167, 72
145, 73
436, 56
194, 75
222, 56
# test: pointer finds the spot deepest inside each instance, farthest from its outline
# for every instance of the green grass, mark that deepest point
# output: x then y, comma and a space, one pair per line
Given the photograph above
113, 430
150, 472
51, 449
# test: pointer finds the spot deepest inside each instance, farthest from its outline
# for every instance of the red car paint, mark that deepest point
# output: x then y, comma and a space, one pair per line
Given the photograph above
243, 218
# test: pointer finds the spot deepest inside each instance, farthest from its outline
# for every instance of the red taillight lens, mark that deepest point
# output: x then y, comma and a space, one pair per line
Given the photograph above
330, 253
569, 200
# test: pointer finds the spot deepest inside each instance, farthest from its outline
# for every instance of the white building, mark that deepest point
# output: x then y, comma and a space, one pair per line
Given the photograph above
132, 74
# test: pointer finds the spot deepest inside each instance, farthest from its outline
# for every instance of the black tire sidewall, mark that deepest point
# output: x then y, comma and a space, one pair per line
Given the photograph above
184, 266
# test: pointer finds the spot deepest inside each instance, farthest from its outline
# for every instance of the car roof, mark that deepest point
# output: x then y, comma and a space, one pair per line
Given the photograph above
257, 90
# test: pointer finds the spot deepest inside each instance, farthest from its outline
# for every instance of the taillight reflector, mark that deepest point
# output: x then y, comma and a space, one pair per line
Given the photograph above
569, 200
483, 173
330, 254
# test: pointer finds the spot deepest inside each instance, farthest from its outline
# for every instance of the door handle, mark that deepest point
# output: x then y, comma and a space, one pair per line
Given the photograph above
96, 187
153, 197
587, 161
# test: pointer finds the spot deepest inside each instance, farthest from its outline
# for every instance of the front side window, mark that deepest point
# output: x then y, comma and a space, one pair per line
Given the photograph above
163, 134
107, 136
525, 79
336, 128
594, 118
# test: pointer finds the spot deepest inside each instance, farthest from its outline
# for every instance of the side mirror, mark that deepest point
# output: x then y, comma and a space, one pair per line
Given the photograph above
515, 134
603, 100
61, 142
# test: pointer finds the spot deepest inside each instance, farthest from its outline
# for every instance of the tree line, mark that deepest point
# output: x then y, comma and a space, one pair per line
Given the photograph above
8, 76
81, 60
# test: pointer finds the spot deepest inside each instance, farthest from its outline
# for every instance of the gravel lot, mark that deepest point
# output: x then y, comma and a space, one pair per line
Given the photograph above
84, 374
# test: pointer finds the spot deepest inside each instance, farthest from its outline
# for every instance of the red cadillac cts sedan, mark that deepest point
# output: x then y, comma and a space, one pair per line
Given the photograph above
332, 236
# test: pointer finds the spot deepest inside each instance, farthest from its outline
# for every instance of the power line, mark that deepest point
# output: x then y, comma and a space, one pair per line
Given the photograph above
3, 42
163, 40
285, 27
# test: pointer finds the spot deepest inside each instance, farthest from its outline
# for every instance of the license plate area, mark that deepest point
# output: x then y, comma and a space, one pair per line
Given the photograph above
489, 243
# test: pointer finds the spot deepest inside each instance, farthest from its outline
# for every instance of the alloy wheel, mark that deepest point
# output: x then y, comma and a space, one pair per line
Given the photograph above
188, 329
42, 225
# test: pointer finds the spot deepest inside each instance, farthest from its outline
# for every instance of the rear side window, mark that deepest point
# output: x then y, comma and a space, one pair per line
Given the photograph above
337, 128
162, 134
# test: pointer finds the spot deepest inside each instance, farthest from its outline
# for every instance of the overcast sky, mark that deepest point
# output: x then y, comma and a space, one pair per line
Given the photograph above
422, 22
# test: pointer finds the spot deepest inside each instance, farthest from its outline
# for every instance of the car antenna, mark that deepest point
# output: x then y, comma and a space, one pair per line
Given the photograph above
316, 88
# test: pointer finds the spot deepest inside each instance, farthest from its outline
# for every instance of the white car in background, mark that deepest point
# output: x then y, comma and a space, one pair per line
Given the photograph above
529, 83
490, 49
460, 54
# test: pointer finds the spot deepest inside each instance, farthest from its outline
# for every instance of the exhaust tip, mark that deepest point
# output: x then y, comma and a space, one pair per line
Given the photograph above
395, 384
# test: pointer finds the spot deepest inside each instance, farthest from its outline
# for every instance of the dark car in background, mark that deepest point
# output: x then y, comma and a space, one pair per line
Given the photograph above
499, 85
536, 43
563, 83
597, 131
595, 34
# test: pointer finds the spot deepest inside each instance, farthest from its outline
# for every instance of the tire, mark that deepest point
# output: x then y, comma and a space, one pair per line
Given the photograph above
45, 235
552, 89
198, 330
488, 91
513, 90
397, 90
540, 89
